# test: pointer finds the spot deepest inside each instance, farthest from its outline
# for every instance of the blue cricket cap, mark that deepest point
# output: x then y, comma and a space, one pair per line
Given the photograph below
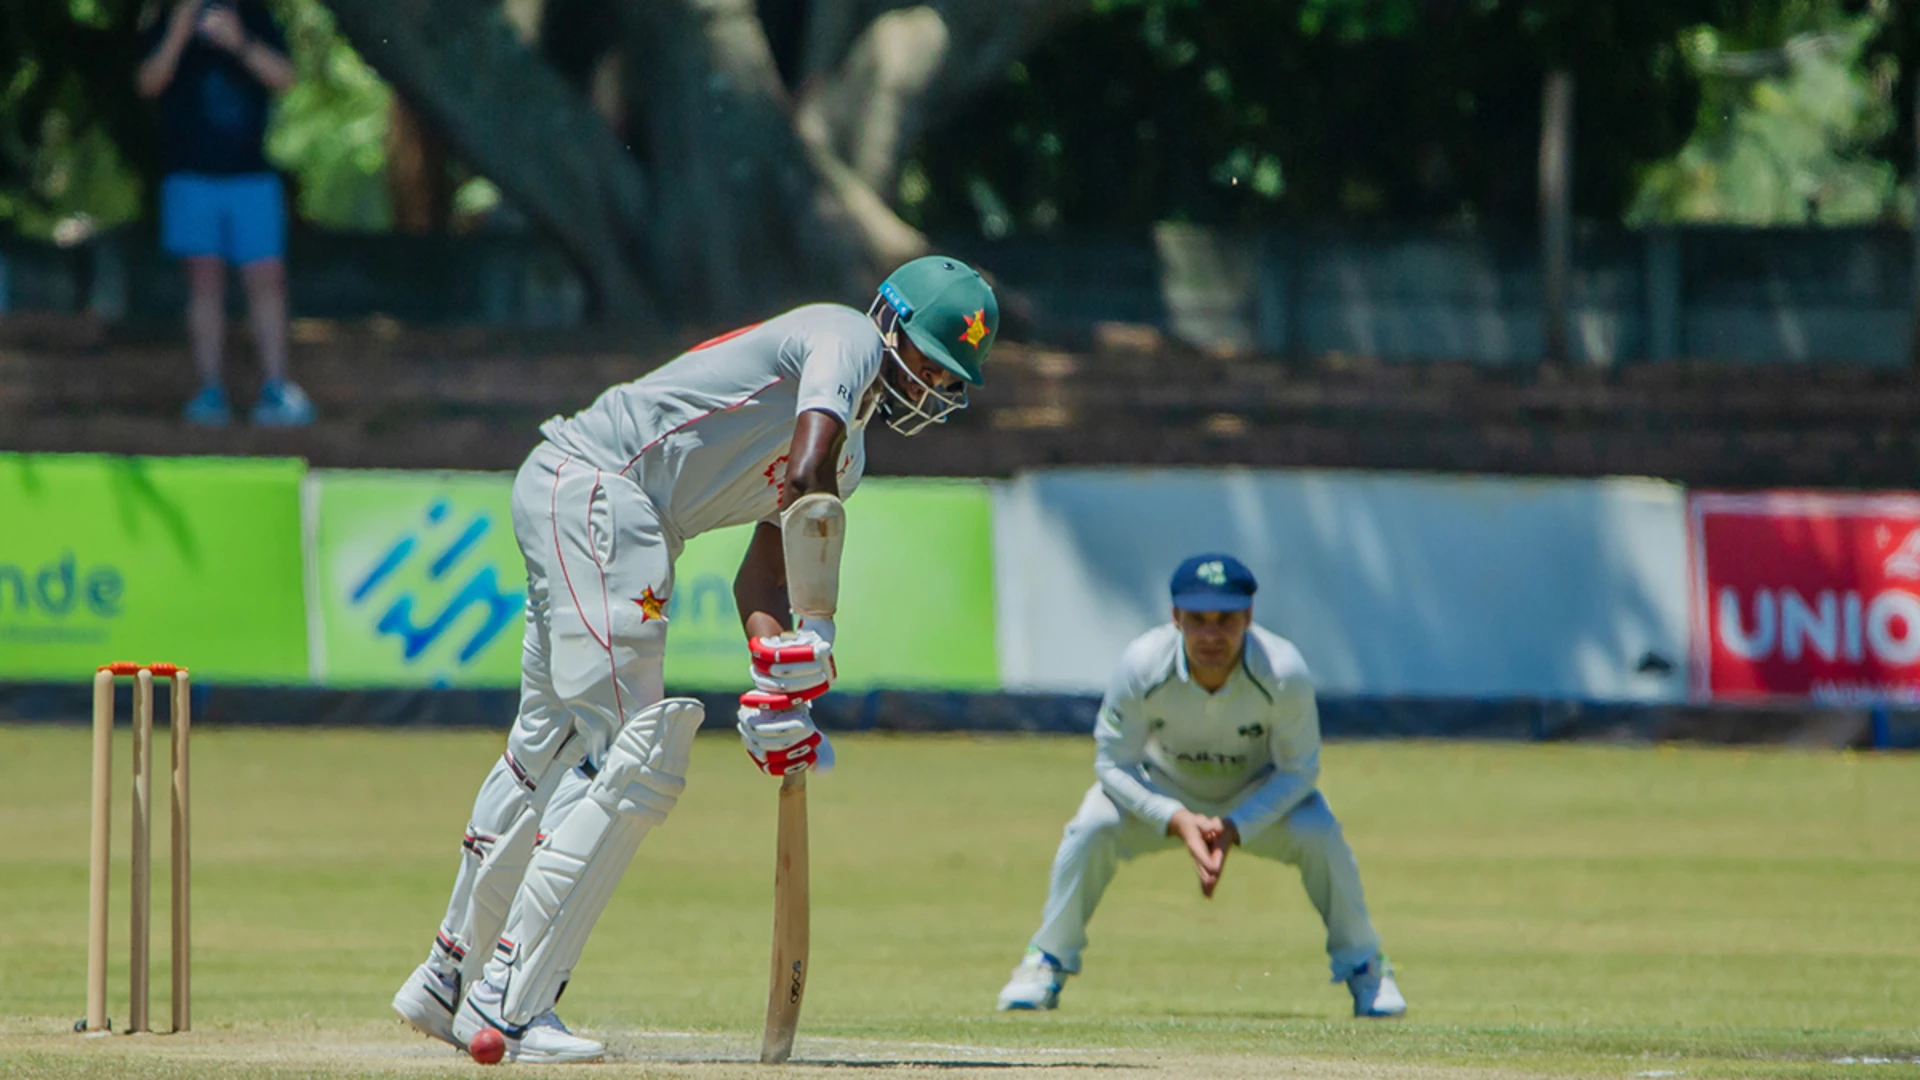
1213, 583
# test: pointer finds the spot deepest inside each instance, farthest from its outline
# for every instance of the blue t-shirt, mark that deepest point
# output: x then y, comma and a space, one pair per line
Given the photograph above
213, 115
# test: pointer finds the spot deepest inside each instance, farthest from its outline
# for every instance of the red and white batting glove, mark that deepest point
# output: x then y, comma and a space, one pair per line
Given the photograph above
798, 664
779, 734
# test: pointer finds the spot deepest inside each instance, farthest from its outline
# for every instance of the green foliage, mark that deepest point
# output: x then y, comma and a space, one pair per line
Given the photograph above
330, 130
69, 119
1790, 148
1256, 110
77, 148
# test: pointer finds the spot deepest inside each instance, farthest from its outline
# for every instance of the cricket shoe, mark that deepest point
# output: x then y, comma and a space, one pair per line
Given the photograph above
545, 1041
427, 1002
1374, 991
1035, 984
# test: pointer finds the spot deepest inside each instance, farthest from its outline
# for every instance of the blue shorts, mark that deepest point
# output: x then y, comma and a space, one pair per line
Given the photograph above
241, 219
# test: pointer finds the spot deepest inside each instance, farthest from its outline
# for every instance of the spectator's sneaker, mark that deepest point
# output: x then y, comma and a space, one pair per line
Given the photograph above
1374, 991
1035, 984
427, 1001
545, 1041
282, 404
209, 407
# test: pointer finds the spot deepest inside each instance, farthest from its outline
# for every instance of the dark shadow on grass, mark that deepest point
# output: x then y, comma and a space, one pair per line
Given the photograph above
1245, 1014
829, 1063
884, 1063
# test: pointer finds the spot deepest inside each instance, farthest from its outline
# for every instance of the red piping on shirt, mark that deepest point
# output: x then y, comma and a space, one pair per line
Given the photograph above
695, 420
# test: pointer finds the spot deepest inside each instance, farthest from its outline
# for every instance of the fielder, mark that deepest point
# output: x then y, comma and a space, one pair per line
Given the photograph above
1209, 738
733, 431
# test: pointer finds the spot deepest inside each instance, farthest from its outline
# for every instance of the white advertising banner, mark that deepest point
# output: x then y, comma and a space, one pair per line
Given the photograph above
1390, 583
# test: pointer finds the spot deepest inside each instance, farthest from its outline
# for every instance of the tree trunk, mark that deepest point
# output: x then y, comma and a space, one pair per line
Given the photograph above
752, 216
418, 183
911, 67
1556, 216
506, 113
716, 195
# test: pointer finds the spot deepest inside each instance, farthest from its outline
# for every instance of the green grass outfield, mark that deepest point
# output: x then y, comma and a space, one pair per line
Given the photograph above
1553, 911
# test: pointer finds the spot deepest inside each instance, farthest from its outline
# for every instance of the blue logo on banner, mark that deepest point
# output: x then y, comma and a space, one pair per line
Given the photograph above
482, 588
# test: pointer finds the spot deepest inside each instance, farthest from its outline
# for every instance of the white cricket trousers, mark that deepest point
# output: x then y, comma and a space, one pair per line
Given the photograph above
1101, 836
599, 573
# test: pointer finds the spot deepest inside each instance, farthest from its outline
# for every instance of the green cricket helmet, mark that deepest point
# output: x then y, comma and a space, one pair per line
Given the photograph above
948, 310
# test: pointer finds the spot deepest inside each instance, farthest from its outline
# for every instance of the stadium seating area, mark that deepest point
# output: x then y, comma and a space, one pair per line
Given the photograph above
437, 398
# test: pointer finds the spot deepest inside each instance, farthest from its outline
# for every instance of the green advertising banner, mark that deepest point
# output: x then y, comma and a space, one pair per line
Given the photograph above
417, 581
916, 594
191, 561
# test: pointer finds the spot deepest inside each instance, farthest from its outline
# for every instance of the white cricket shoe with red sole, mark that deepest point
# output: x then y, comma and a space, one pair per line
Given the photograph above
545, 1041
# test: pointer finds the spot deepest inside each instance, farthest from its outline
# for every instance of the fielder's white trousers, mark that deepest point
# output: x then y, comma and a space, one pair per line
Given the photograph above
599, 573
1101, 836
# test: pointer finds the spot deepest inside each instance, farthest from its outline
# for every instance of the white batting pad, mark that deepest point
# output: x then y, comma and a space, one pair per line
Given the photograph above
499, 844
574, 873
812, 532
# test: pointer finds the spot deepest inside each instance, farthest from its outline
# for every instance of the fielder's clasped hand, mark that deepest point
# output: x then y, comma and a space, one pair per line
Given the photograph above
1208, 840
798, 664
779, 735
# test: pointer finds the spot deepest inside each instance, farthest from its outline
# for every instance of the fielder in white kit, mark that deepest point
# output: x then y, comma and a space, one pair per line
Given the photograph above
732, 432
1208, 738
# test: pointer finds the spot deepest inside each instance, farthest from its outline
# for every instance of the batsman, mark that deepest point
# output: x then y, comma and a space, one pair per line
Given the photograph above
1208, 739
763, 426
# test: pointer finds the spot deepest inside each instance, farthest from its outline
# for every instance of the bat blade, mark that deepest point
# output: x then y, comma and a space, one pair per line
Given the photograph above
788, 982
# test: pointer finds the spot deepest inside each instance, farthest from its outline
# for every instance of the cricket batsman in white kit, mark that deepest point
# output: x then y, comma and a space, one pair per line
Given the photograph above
735, 431
1208, 738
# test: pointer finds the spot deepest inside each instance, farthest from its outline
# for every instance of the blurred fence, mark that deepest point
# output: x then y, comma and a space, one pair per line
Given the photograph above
502, 281
1393, 292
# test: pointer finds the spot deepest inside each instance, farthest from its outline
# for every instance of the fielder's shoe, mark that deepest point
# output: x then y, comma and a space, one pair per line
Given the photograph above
427, 1002
208, 407
1374, 991
545, 1041
1035, 984
282, 404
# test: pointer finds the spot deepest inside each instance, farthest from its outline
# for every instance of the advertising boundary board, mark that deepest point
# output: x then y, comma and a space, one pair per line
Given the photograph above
1391, 584
417, 580
1831, 607
190, 560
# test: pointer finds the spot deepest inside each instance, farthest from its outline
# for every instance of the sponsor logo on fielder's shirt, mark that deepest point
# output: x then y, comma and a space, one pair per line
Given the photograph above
1209, 757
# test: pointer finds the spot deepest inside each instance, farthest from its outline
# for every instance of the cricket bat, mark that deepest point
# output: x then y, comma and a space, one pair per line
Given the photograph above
788, 983
812, 531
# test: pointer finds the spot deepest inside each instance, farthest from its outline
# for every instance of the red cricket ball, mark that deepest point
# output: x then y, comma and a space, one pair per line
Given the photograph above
488, 1047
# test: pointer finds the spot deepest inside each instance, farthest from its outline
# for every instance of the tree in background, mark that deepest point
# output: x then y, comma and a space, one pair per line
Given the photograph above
740, 172
73, 135
331, 130
706, 159
1257, 110
1792, 110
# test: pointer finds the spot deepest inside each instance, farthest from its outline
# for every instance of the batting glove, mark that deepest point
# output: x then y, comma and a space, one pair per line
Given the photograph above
798, 664
779, 734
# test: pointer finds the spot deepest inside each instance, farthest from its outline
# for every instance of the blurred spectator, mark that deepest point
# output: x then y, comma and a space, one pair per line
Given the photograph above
212, 65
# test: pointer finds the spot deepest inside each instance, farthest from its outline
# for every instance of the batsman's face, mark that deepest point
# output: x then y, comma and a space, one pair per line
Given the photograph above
1213, 637
928, 374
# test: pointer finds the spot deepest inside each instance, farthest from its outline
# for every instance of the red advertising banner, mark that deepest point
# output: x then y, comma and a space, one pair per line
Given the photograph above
1806, 595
